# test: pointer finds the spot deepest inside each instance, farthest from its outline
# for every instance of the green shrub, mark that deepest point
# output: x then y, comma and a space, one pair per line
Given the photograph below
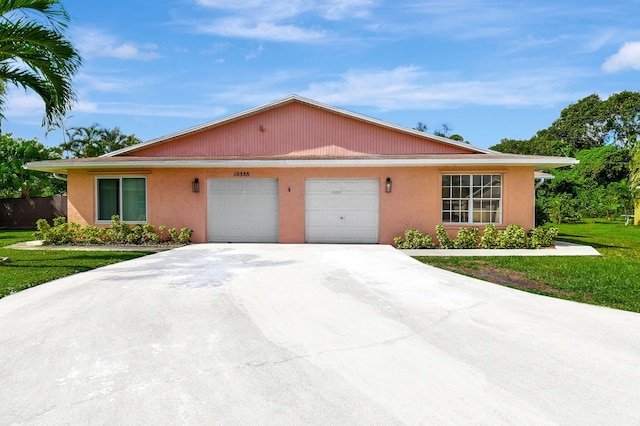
414, 239
514, 237
443, 238
467, 238
60, 233
149, 234
541, 237
184, 237
92, 235
489, 239
162, 233
42, 230
118, 233
173, 234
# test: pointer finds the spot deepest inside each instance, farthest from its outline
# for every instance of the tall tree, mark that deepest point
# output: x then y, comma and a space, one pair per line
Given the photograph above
588, 123
36, 55
540, 144
16, 181
592, 122
94, 141
581, 125
623, 118
114, 139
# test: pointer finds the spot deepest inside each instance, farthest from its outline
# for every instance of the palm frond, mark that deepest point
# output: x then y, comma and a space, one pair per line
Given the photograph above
50, 10
37, 56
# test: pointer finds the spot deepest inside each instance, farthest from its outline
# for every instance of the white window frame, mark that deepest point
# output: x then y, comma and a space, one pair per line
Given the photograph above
470, 199
120, 177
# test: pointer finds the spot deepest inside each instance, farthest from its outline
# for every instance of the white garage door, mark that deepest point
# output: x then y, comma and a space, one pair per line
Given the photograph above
341, 210
243, 210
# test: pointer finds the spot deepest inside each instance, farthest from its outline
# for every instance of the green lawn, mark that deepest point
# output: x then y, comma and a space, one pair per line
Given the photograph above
612, 280
29, 268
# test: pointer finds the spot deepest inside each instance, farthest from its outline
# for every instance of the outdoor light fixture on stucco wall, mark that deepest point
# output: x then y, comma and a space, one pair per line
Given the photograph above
195, 185
387, 187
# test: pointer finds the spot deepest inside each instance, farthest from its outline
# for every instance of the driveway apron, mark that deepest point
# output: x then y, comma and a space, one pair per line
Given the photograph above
308, 334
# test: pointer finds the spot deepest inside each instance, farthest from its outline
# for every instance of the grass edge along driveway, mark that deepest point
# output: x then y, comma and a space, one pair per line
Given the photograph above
612, 280
29, 268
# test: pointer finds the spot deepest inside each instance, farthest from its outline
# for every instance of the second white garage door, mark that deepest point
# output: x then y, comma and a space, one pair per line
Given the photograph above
342, 210
242, 210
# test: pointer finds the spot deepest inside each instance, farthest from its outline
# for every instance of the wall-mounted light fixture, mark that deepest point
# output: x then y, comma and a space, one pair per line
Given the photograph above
261, 128
195, 185
387, 187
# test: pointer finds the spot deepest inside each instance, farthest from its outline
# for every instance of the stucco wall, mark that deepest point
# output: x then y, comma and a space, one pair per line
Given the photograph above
415, 201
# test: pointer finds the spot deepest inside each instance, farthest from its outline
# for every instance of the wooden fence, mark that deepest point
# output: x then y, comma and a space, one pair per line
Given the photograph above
22, 213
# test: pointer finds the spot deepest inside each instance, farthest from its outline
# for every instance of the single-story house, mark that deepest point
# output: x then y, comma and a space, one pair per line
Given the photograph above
296, 170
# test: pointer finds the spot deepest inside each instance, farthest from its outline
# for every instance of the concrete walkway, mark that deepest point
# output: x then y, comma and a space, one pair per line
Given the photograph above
37, 245
561, 249
308, 334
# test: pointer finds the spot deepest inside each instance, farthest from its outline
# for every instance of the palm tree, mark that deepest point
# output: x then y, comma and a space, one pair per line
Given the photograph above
94, 141
35, 55
83, 141
114, 139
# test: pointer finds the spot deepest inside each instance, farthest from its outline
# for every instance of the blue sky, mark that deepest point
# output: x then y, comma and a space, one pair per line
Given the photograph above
488, 69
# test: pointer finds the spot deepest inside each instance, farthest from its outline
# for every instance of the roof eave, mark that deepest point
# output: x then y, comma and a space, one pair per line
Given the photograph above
65, 166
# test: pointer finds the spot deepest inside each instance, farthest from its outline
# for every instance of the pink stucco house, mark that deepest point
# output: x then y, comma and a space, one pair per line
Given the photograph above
296, 171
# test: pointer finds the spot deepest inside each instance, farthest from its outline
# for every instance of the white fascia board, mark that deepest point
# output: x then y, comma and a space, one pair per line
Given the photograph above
63, 167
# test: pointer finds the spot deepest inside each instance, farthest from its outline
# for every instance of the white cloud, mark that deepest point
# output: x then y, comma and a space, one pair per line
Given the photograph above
96, 43
600, 39
278, 9
464, 19
254, 54
263, 30
149, 110
23, 104
628, 57
340, 9
412, 87
260, 9
273, 19
102, 83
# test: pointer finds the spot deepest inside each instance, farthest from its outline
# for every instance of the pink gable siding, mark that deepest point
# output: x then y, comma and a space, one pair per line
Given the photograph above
297, 130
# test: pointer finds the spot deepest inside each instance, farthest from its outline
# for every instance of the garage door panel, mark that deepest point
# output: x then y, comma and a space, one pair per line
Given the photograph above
243, 210
341, 210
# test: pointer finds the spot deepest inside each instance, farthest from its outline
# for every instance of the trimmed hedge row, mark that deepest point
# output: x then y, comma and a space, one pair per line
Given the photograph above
513, 237
117, 233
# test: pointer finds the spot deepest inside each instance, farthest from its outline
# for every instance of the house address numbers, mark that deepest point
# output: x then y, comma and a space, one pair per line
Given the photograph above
241, 174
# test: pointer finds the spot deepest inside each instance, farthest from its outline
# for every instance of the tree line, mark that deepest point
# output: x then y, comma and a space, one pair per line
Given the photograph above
80, 142
603, 135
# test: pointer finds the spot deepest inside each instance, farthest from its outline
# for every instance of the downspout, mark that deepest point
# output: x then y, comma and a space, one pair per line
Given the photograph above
64, 178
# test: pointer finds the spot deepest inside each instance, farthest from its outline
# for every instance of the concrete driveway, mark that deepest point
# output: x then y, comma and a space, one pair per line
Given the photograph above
308, 334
